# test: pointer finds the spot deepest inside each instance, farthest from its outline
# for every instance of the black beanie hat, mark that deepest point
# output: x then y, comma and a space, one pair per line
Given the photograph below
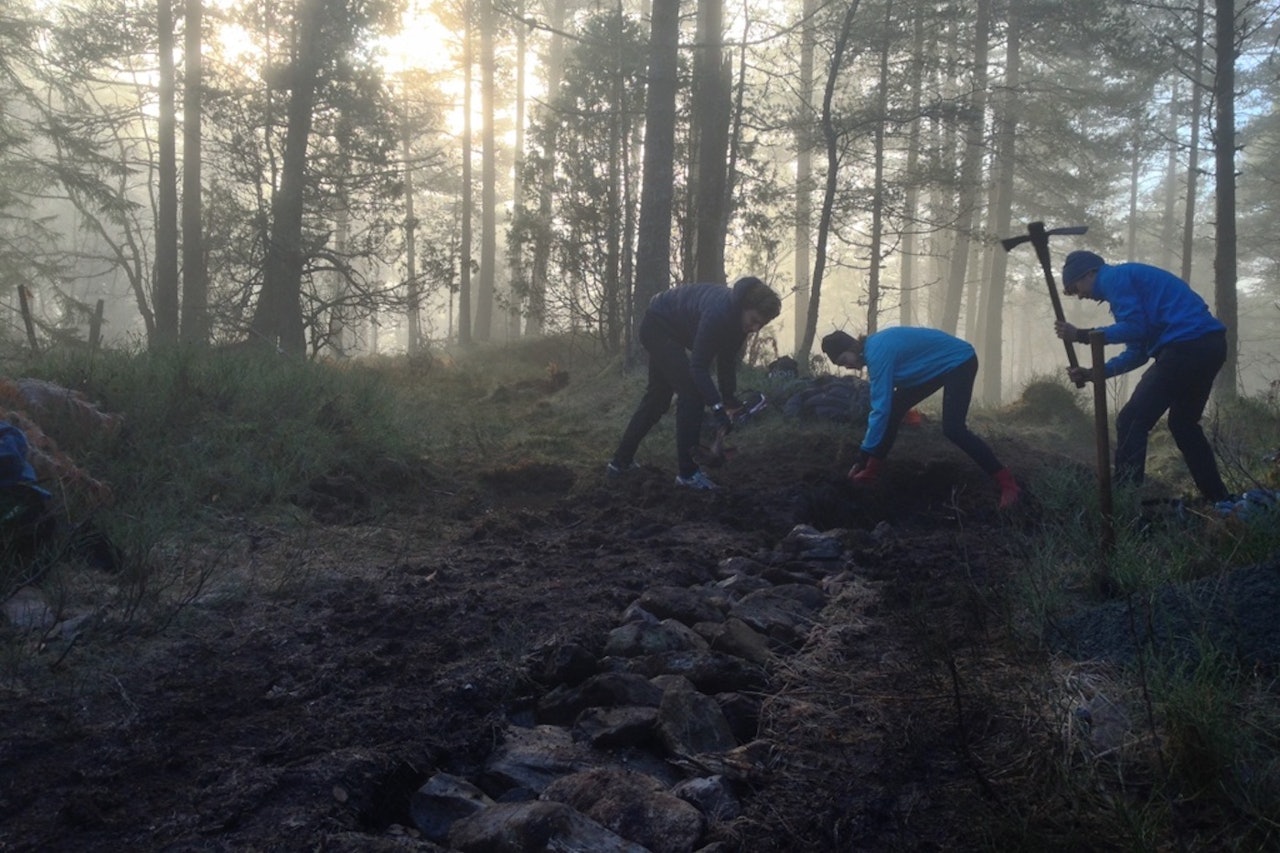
1079, 263
837, 343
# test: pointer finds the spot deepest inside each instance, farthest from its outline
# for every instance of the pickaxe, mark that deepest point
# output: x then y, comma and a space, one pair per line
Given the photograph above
1039, 238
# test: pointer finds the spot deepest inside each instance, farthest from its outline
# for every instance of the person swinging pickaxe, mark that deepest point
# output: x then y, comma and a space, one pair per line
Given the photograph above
1039, 238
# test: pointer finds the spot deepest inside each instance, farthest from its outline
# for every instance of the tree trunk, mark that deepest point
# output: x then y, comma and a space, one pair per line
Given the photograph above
488, 180
831, 141
464, 262
878, 194
1168, 215
1002, 213
1193, 147
1224, 147
278, 318
1135, 175
517, 174
804, 175
653, 244
165, 287
195, 276
911, 201
944, 148
413, 344
970, 170
554, 65
613, 251
712, 96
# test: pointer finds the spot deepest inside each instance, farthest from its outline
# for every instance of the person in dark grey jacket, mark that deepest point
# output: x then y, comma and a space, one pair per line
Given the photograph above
684, 330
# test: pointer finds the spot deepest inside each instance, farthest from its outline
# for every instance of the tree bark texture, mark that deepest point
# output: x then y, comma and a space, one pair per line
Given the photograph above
653, 243
195, 275
1224, 147
831, 143
277, 320
992, 359
485, 290
970, 170
165, 286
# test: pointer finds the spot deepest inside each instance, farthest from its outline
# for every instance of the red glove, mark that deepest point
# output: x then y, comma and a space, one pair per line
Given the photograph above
865, 471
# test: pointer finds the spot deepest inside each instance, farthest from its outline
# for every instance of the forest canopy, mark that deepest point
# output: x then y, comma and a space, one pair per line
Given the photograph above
333, 179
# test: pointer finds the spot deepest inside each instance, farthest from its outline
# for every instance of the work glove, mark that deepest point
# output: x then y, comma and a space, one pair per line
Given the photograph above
866, 470
1079, 375
723, 422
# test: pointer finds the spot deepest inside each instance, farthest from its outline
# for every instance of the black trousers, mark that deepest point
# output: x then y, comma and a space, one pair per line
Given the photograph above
1179, 383
668, 374
957, 394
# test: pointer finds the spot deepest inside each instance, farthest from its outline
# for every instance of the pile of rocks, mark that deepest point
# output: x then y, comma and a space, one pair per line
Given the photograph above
647, 744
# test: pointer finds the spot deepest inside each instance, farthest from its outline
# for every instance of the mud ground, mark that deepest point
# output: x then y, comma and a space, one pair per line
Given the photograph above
298, 707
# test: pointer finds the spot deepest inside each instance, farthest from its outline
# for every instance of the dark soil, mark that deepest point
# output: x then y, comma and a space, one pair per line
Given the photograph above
302, 716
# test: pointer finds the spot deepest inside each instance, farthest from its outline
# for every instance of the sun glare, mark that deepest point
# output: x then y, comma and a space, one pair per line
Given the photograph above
422, 43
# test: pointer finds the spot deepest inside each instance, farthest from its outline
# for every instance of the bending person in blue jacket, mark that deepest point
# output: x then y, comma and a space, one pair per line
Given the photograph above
26, 520
684, 330
906, 364
1157, 315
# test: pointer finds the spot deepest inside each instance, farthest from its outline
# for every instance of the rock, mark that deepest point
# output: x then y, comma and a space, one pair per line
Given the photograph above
779, 575
689, 606
778, 613
441, 801
608, 689
613, 728
690, 722
634, 806
737, 638
644, 638
711, 796
533, 758
710, 672
809, 544
568, 663
535, 826
738, 566
636, 613
740, 585
743, 713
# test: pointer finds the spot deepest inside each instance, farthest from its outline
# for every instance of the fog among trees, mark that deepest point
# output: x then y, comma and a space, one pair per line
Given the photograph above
334, 179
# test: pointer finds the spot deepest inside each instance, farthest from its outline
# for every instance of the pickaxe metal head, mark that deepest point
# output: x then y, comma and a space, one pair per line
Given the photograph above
1036, 232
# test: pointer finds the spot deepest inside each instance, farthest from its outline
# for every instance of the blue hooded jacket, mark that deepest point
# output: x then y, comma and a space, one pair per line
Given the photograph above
1152, 308
705, 319
903, 357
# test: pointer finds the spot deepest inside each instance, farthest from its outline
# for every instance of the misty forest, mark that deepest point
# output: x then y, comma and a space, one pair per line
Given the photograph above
319, 322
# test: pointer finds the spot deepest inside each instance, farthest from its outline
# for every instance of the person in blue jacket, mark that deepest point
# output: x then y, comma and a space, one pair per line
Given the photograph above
26, 519
684, 330
906, 364
1157, 315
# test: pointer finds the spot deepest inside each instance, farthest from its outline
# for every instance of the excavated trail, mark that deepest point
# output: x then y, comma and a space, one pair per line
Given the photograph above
306, 717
